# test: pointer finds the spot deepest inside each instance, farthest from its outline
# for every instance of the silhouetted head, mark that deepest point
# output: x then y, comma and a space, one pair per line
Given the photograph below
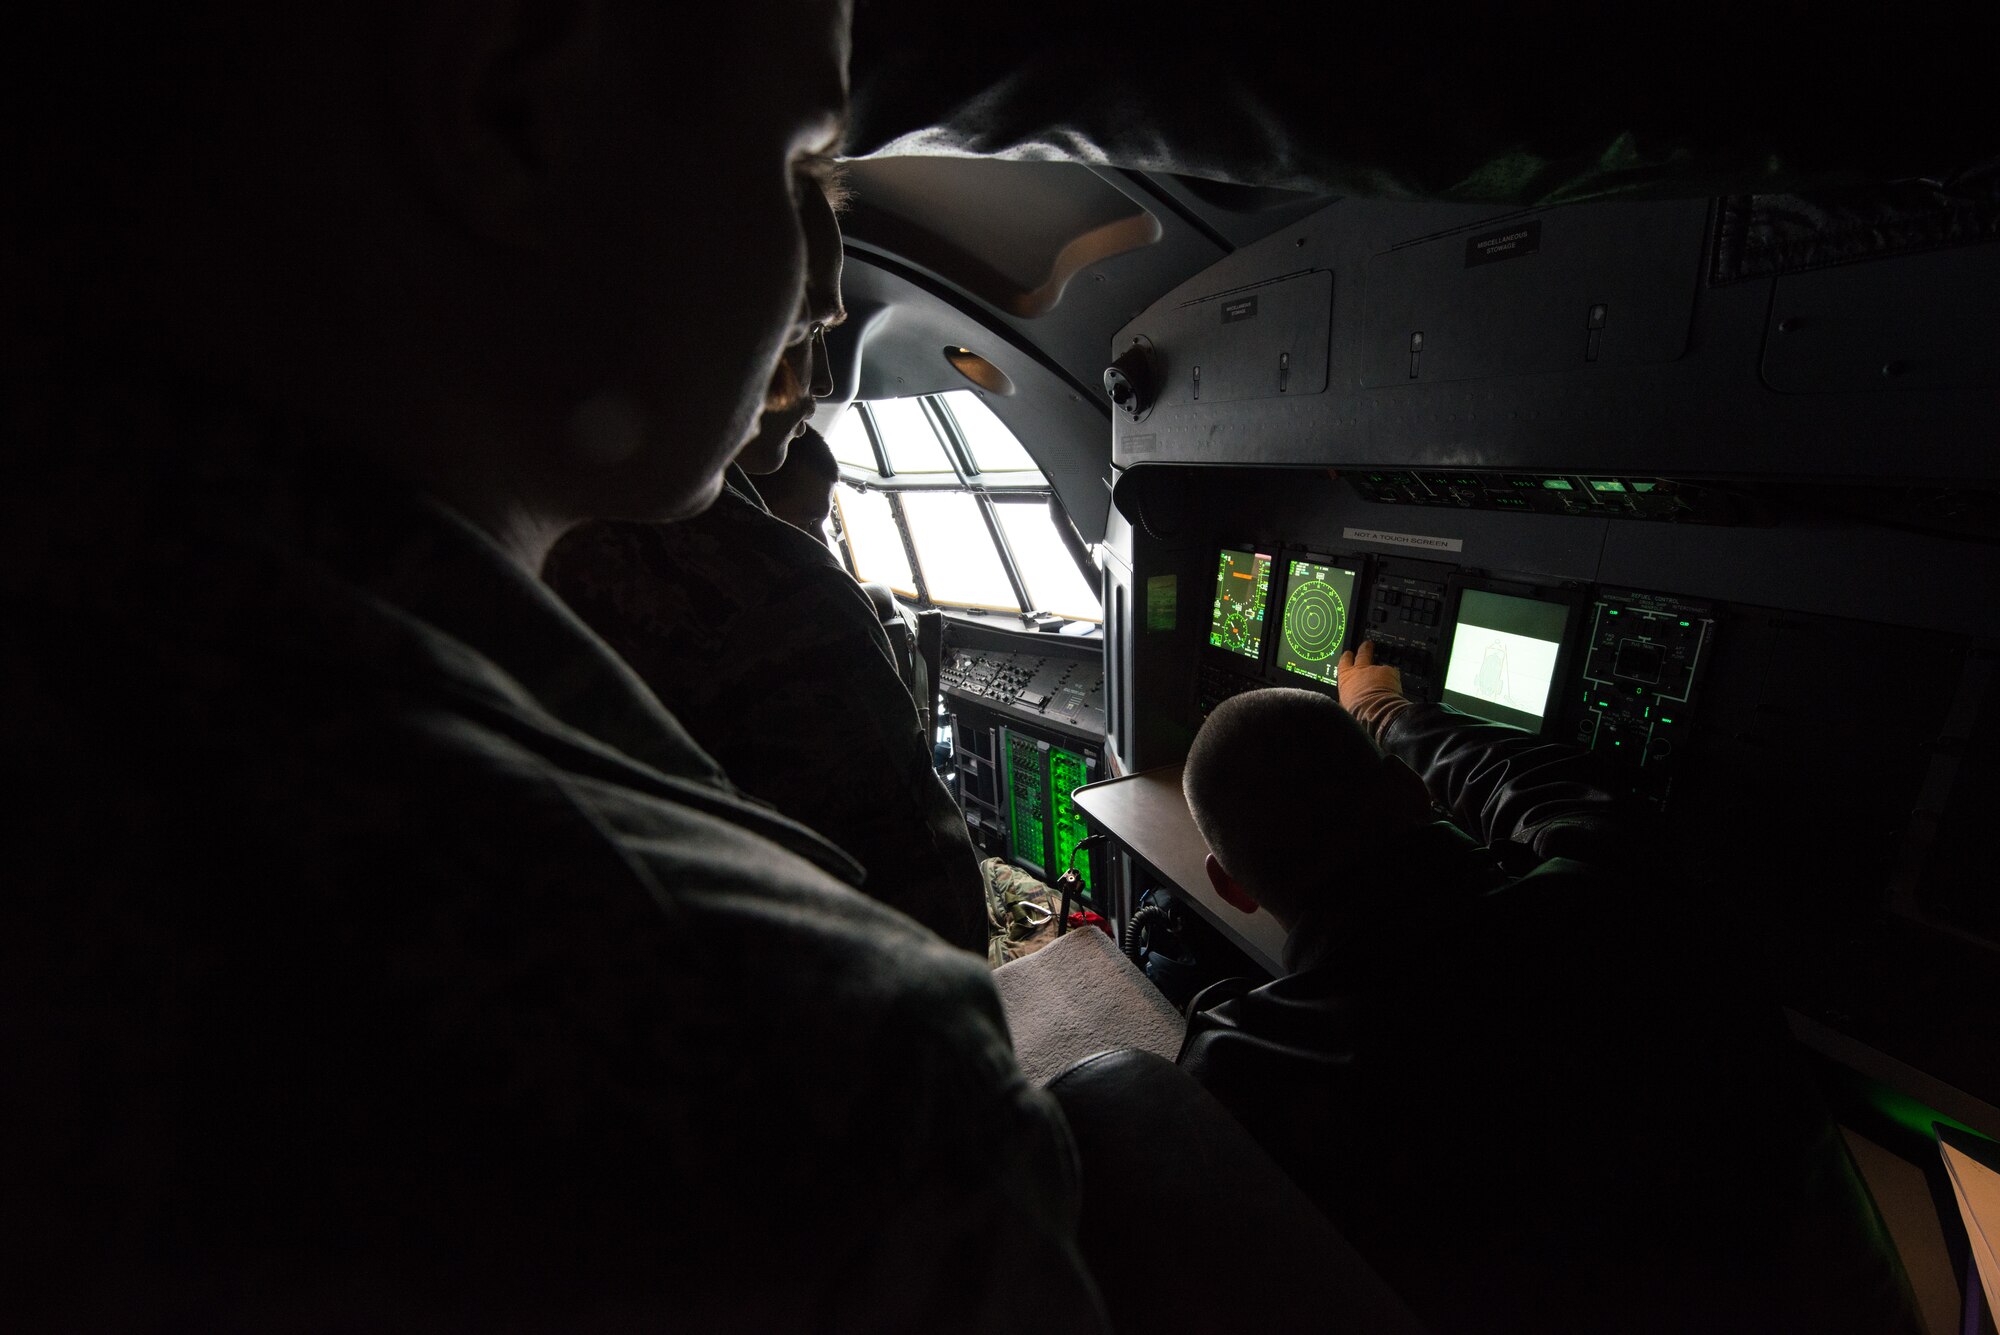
805, 373
1285, 786
801, 493
545, 256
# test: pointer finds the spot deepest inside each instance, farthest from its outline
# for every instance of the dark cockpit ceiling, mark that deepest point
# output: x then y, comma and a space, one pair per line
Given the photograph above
1030, 179
1518, 104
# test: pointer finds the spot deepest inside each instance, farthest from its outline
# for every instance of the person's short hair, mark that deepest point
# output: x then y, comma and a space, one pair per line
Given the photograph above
1278, 782
802, 484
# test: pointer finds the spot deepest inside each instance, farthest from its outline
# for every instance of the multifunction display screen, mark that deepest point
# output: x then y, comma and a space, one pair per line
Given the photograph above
1242, 587
1503, 657
1318, 603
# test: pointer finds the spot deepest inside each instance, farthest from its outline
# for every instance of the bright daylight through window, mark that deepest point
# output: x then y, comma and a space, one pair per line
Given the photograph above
961, 516
961, 567
848, 439
908, 436
872, 540
994, 448
1054, 583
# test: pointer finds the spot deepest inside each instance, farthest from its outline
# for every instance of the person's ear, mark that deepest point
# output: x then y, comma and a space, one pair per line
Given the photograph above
1231, 890
1404, 798
497, 90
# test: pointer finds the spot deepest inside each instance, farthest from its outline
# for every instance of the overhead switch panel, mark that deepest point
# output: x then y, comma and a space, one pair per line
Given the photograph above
1528, 294
1265, 341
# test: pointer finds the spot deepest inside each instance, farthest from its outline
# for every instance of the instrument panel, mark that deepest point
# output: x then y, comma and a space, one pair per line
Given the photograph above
1617, 671
1027, 727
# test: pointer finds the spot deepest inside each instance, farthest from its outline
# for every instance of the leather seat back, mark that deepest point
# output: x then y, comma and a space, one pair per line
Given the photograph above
1189, 1226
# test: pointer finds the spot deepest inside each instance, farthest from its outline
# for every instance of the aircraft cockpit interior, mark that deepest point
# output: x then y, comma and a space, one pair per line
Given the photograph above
1571, 435
1695, 480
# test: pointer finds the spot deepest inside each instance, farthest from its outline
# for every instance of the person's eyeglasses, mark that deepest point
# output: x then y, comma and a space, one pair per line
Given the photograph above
820, 375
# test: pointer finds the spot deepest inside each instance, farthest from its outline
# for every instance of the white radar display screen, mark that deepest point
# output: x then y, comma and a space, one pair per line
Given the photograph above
1317, 599
1504, 653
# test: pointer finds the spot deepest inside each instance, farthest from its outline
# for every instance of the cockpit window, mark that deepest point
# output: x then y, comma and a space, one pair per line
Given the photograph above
848, 439
960, 564
1053, 581
874, 547
992, 446
961, 516
908, 436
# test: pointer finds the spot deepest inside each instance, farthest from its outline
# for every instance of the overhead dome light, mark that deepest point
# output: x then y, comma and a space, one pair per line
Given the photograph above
978, 370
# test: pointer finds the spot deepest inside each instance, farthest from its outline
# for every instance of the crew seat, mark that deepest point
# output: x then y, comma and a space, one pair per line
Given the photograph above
900, 624
1190, 1227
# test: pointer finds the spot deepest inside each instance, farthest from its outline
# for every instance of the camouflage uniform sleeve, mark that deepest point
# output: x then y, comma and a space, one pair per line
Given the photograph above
810, 715
891, 1134
773, 659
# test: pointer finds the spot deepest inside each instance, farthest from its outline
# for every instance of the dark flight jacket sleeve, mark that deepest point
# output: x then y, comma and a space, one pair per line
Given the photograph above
1502, 784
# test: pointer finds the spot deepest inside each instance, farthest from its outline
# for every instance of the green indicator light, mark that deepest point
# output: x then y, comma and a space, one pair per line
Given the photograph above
1557, 484
1602, 705
1908, 1113
1614, 611
1638, 690
1606, 484
1665, 719
1684, 623
1646, 713
1618, 743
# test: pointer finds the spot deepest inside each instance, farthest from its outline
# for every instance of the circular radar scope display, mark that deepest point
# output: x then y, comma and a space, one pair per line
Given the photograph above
1315, 626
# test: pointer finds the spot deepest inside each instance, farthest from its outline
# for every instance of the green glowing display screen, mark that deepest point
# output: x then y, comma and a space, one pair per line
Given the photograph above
1043, 820
1242, 587
1318, 599
1068, 771
1028, 800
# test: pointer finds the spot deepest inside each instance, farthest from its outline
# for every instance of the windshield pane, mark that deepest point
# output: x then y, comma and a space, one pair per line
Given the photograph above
872, 539
994, 448
849, 441
1054, 583
956, 551
908, 436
